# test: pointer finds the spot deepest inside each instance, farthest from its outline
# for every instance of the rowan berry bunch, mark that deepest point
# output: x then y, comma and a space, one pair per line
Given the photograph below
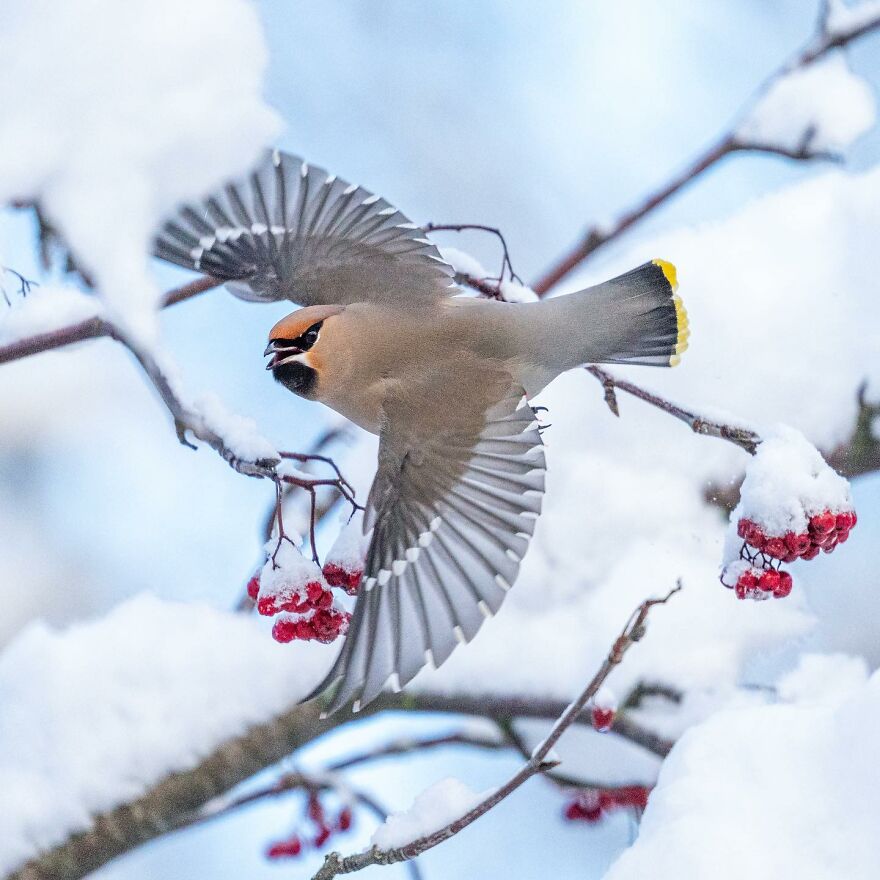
293, 590
591, 805
323, 828
758, 574
792, 506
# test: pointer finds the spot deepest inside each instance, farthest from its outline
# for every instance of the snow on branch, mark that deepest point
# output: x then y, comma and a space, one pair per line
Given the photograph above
431, 823
802, 113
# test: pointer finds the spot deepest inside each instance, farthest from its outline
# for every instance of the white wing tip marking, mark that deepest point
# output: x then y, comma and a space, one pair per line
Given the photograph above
276, 158
369, 583
412, 553
398, 567
349, 189
383, 577
331, 179
356, 707
487, 611
459, 635
511, 555
435, 524
258, 228
502, 583
304, 170
371, 200
429, 658
394, 681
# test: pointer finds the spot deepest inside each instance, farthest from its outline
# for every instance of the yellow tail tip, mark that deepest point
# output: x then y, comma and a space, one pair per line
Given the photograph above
681, 315
669, 272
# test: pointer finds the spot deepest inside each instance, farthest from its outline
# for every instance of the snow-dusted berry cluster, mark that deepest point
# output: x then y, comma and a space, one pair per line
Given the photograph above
591, 805
324, 829
298, 594
792, 505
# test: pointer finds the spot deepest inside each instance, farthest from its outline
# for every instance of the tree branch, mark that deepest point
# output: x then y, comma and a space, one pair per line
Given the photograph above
171, 803
540, 761
742, 437
94, 328
597, 235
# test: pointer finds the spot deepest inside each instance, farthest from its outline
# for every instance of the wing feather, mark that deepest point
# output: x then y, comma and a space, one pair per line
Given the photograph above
451, 510
288, 230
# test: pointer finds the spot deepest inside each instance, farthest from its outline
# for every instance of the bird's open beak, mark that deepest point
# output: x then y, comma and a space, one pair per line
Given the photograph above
281, 354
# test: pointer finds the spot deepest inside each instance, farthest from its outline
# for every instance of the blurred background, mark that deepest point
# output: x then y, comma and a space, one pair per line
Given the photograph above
538, 119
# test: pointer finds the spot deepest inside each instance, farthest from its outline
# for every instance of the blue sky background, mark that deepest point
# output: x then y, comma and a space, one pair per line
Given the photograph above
537, 118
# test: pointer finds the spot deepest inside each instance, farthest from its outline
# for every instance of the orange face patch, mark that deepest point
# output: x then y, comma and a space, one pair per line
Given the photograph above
296, 323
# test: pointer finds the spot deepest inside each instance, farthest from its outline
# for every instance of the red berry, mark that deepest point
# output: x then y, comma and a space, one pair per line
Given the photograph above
744, 528
266, 606
812, 553
603, 718
314, 591
822, 522
304, 631
315, 809
758, 539
775, 547
748, 580
579, 809
842, 522
253, 587
343, 820
284, 630
337, 576
285, 849
632, 796
769, 581
842, 537
295, 605
322, 836
783, 588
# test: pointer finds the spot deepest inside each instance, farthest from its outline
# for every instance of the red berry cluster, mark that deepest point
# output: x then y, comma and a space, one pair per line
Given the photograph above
591, 805
338, 576
758, 575
292, 846
323, 625
316, 618
824, 532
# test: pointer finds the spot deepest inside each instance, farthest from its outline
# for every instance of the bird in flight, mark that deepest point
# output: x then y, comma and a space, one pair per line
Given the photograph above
444, 380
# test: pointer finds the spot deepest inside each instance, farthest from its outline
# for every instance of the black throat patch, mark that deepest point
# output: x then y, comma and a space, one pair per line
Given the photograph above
298, 378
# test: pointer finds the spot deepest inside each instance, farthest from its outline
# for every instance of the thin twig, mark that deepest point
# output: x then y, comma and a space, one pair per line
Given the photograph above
540, 761
741, 437
94, 328
597, 236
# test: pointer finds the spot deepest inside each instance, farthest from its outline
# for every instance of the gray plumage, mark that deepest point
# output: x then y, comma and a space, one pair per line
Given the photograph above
443, 380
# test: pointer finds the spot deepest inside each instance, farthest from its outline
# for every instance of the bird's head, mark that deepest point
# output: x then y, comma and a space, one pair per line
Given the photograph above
292, 343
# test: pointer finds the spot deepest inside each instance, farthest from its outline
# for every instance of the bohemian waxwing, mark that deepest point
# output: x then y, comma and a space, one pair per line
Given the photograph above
444, 381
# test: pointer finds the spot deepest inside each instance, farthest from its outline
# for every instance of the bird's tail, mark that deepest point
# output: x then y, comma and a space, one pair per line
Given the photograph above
636, 318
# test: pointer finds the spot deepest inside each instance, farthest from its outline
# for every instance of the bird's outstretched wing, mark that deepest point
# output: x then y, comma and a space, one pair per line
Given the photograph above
452, 508
289, 230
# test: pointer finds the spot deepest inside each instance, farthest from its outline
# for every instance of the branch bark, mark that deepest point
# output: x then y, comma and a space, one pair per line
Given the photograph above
172, 803
597, 236
540, 761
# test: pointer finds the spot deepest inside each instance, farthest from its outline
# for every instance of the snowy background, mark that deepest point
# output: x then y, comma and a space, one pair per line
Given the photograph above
537, 122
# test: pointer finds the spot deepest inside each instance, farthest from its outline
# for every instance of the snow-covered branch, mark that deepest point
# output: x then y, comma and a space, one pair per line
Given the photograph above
797, 114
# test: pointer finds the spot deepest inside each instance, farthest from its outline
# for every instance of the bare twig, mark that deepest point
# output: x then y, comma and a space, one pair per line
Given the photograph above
540, 761
93, 328
741, 437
